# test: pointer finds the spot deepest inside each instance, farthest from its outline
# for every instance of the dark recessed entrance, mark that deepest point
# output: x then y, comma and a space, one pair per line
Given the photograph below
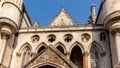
76, 57
47, 66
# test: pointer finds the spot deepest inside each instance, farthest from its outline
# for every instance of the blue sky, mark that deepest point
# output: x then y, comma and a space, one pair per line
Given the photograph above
46, 10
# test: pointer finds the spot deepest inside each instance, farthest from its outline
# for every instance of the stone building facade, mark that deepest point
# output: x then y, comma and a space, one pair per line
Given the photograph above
61, 44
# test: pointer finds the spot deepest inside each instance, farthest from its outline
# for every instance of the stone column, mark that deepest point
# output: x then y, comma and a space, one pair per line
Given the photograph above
5, 35
117, 43
4, 38
85, 59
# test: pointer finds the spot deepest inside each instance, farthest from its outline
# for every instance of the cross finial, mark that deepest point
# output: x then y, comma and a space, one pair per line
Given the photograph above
36, 23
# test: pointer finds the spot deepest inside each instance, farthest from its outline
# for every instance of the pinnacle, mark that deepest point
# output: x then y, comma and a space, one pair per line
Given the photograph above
36, 23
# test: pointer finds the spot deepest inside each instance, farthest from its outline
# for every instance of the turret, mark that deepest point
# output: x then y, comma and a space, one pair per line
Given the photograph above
111, 10
10, 16
110, 16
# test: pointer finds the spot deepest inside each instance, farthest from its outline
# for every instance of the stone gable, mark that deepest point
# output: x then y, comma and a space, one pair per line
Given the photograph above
50, 56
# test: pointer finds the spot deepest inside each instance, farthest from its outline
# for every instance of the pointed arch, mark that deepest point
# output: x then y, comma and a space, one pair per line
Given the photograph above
25, 51
62, 45
39, 46
96, 52
94, 43
78, 44
24, 46
76, 54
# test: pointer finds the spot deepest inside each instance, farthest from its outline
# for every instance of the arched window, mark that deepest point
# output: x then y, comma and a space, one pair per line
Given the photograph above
60, 48
26, 56
94, 57
41, 48
102, 37
76, 56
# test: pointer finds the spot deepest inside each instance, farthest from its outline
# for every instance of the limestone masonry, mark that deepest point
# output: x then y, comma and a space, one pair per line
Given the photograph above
61, 44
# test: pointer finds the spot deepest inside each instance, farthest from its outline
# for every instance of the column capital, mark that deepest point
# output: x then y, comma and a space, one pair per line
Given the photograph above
85, 53
116, 32
5, 32
5, 36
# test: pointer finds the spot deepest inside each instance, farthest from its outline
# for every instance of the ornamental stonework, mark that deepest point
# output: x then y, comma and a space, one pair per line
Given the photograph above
85, 37
48, 56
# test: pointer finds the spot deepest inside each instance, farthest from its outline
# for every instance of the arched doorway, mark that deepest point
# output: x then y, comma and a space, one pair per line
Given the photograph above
76, 56
47, 66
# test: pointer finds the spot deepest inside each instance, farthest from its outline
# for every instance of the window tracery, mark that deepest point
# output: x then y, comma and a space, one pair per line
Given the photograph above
35, 38
85, 37
51, 38
26, 56
68, 38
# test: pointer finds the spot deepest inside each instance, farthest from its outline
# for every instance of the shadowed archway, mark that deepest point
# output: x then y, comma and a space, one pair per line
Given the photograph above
76, 56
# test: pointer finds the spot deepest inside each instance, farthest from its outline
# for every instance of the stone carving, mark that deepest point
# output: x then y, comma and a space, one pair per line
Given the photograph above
35, 38
48, 56
68, 38
63, 19
85, 37
51, 38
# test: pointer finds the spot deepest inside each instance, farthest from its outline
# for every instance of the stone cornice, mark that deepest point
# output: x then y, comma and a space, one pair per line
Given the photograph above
60, 29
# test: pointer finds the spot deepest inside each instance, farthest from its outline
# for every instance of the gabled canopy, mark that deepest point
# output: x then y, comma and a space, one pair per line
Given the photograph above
52, 57
62, 19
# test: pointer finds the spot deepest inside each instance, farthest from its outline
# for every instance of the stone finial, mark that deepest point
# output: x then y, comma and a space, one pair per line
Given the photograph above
93, 11
63, 8
92, 17
36, 23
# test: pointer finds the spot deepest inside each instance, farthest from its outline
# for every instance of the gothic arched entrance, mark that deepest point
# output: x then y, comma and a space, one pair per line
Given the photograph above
76, 56
47, 66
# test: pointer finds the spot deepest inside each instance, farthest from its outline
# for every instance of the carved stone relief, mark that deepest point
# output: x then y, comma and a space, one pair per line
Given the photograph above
85, 37
35, 38
48, 56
